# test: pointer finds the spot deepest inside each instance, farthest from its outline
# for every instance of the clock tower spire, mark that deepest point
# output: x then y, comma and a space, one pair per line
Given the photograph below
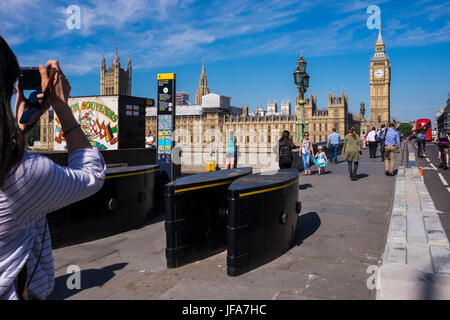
380, 83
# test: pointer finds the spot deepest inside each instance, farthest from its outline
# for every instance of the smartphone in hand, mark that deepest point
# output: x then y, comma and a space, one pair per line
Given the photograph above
30, 79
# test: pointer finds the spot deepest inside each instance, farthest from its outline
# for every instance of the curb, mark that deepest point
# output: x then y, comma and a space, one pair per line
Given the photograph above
416, 240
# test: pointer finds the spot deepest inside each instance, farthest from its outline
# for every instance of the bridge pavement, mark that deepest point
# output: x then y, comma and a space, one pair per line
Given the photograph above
342, 232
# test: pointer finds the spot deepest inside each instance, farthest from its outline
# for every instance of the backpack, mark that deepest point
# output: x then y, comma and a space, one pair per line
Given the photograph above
285, 153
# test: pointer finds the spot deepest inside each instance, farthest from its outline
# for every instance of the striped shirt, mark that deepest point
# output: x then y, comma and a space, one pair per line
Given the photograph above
34, 187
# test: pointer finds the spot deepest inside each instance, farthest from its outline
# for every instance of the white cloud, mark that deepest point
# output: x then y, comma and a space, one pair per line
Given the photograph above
172, 32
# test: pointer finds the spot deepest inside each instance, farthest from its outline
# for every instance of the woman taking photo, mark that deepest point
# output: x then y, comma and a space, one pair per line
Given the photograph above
307, 152
352, 152
286, 145
32, 186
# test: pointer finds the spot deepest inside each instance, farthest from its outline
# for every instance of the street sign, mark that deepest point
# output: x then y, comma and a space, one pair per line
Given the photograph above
166, 123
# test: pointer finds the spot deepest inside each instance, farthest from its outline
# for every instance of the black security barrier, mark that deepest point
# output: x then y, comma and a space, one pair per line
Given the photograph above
196, 215
262, 219
125, 201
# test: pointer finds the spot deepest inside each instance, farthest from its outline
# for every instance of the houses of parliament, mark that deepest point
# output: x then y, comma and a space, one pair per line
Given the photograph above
213, 111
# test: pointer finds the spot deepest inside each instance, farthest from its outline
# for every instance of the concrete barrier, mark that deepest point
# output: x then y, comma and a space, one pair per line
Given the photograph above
126, 201
262, 219
196, 215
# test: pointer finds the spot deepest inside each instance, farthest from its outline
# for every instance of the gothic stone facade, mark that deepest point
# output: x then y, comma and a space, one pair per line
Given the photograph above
115, 80
256, 130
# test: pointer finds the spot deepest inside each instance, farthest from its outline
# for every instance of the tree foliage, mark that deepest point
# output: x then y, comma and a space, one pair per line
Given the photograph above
406, 129
35, 133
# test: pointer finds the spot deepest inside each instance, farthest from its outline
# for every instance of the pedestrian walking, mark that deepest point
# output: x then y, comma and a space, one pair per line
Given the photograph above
372, 141
285, 157
306, 153
31, 185
352, 152
362, 137
392, 146
381, 139
333, 145
321, 160
230, 150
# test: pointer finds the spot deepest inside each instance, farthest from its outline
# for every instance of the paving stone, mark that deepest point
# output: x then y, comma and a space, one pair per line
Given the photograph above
397, 235
398, 221
432, 223
418, 257
441, 259
430, 214
395, 253
437, 238
427, 206
416, 230
401, 282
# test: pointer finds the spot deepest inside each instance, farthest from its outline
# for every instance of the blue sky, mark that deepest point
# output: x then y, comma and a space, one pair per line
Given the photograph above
250, 46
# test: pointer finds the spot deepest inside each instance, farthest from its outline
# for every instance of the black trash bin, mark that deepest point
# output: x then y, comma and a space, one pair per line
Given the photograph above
262, 219
125, 201
196, 215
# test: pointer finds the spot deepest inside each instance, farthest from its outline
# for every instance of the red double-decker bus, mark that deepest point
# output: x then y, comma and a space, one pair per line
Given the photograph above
424, 126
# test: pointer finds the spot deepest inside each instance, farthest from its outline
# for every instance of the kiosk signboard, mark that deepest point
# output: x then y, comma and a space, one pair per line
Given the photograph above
166, 122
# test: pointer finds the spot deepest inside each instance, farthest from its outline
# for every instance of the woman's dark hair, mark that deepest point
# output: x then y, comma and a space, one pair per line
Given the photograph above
352, 132
11, 139
285, 137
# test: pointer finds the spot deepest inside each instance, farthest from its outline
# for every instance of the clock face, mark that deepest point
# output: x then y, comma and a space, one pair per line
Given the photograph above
378, 73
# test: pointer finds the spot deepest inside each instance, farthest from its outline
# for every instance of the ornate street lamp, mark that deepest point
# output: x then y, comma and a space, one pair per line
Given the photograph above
363, 120
301, 79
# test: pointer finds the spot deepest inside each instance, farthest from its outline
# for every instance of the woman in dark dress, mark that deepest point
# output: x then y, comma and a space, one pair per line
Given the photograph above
286, 145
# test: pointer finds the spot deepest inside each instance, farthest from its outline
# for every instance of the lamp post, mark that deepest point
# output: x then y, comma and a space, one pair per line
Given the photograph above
301, 79
363, 120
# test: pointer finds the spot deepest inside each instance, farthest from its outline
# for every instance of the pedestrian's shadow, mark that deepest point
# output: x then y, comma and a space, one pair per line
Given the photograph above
307, 225
305, 186
89, 278
361, 176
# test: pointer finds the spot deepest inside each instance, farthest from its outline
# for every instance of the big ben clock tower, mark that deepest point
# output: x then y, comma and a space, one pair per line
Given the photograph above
380, 86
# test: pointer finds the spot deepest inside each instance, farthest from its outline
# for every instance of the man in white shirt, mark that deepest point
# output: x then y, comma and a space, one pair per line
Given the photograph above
149, 139
372, 140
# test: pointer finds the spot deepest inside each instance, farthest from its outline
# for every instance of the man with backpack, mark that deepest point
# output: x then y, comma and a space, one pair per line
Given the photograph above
443, 139
381, 139
421, 140
372, 140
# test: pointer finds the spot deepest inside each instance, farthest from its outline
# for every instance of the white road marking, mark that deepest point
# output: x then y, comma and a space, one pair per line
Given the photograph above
442, 179
448, 189
428, 159
433, 166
